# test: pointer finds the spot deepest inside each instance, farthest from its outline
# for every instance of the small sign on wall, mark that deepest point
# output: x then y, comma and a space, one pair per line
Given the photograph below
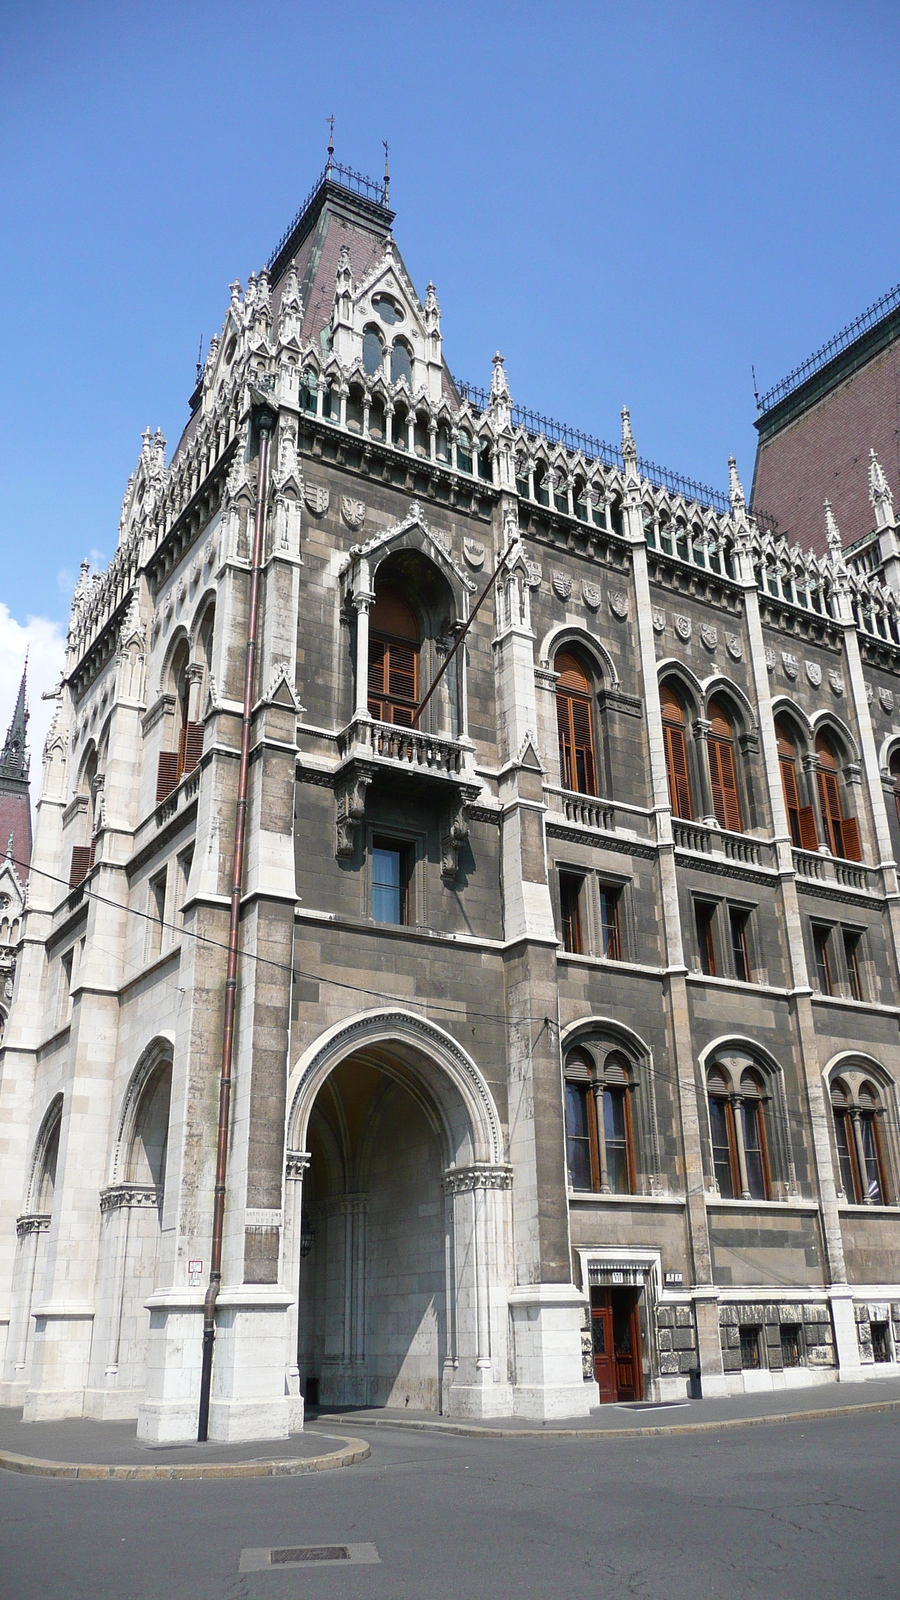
195, 1269
673, 1279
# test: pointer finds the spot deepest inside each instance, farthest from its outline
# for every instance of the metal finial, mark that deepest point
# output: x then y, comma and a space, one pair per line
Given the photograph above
755, 390
330, 121
387, 176
200, 359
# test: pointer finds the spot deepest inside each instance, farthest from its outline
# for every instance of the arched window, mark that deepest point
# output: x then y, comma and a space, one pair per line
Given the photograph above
801, 819
463, 451
393, 659
574, 721
676, 753
895, 779
372, 351
722, 769
599, 1138
857, 1112
309, 391
187, 680
841, 833
737, 1126
401, 365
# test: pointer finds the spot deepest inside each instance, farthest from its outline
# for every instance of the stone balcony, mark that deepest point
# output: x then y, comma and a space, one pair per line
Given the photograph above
598, 814
707, 839
813, 866
442, 768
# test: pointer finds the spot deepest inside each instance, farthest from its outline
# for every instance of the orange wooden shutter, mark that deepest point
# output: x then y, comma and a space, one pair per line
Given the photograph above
852, 845
726, 802
193, 745
831, 809
401, 673
677, 772
166, 774
81, 864
789, 784
583, 742
809, 833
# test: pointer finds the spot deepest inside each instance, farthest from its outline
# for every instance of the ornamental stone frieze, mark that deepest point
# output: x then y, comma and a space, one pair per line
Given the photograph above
129, 1195
32, 1222
296, 1163
464, 1180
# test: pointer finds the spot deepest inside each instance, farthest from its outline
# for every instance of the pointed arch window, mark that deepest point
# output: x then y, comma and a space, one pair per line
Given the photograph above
574, 720
722, 1131
673, 725
599, 1136
858, 1140
737, 1124
841, 833
895, 779
401, 365
393, 688
801, 819
753, 1128
722, 769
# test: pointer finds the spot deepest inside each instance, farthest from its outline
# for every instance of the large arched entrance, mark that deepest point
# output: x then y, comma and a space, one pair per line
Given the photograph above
397, 1225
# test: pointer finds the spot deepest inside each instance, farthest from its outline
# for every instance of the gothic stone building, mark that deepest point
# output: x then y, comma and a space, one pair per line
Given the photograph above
565, 1058
15, 843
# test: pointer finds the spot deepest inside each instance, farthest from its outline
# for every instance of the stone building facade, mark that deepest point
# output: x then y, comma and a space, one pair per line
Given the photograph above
15, 842
566, 1046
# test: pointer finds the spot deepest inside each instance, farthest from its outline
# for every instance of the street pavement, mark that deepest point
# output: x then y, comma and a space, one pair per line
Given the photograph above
789, 1511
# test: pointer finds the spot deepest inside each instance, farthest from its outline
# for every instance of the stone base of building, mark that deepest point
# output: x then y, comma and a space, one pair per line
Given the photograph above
546, 1330
479, 1401
111, 1404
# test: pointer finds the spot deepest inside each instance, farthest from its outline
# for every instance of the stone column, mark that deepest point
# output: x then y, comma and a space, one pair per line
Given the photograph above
295, 1166
476, 1309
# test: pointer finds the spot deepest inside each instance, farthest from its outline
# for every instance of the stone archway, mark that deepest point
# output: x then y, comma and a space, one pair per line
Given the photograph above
397, 1231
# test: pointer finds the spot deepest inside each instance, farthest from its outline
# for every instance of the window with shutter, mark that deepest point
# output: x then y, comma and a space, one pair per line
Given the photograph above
787, 766
393, 686
82, 861
676, 754
166, 774
193, 745
575, 725
723, 774
842, 833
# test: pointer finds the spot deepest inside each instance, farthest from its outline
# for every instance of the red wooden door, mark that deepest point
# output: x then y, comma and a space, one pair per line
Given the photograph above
604, 1353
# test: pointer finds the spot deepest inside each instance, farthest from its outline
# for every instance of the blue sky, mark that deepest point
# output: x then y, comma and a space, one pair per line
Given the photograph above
633, 202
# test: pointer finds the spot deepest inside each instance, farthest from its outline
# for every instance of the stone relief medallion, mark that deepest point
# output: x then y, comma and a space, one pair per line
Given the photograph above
618, 605
473, 552
814, 673
167, 608
195, 572
683, 627
182, 589
352, 511
885, 696
769, 654
659, 619
316, 497
591, 595
734, 646
562, 585
790, 663
534, 574
709, 635
836, 681
209, 552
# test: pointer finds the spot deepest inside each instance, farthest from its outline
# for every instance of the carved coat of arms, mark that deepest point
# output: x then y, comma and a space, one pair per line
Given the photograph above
709, 635
683, 628
473, 552
591, 594
836, 681
886, 696
618, 605
352, 511
734, 646
316, 497
770, 658
814, 673
659, 619
562, 585
790, 663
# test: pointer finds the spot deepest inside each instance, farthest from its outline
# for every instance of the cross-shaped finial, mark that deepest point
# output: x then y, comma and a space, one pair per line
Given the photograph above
387, 176
330, 121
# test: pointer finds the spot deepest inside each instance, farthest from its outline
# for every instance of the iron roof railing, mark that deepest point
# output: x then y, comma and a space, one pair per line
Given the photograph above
841, 341
345, 178
594, 449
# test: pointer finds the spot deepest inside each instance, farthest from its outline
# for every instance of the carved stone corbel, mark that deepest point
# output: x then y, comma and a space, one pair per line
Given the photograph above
350, 801
455, 834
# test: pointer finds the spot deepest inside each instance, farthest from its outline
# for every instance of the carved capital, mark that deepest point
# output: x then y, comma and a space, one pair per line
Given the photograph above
482, 1175
128, 1195
296, 1163
32, 1222
455, 834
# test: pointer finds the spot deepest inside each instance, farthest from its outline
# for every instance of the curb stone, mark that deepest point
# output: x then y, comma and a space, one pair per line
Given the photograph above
352, 1451
473, 1431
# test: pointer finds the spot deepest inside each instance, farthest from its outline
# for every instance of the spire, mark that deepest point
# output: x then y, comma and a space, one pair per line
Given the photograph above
735, 488
500, 403
833, 535
880, 492
14, 759
629, 448
387, 176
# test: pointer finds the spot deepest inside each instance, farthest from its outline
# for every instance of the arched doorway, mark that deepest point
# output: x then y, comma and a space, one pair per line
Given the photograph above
398, 1229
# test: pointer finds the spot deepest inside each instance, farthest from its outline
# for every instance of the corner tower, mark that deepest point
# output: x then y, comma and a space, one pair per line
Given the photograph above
15, 805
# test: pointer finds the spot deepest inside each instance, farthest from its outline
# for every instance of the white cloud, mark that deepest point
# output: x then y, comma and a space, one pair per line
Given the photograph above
45, 641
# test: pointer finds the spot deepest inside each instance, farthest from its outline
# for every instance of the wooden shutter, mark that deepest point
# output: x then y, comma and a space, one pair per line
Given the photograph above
831, 809
377, 664
677, 771
401, 672
81, 864
809, 832
166, 774
193, 745
850, 835
576, 741
726, 803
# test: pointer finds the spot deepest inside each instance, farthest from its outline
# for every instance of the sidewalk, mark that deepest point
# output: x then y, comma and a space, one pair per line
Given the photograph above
84, 1449
629, 1419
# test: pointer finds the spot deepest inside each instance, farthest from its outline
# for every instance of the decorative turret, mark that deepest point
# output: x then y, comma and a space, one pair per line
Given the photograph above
880, 493
15, 806
735, 489
290, 312
629, 448
500, 403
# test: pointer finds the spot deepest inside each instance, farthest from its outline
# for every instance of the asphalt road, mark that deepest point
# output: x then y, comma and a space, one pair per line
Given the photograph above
784, 1511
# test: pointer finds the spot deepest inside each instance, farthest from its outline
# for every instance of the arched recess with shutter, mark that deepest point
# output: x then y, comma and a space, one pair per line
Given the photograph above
723, 765
412, 623
576, 720
839, 827
864, 1108
793, 743
676, 713
608, 1065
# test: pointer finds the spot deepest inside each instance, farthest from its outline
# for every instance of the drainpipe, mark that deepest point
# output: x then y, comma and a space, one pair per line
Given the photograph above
265, 422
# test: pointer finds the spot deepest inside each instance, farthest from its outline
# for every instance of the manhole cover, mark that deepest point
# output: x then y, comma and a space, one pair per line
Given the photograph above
651, 1405
312, 1555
